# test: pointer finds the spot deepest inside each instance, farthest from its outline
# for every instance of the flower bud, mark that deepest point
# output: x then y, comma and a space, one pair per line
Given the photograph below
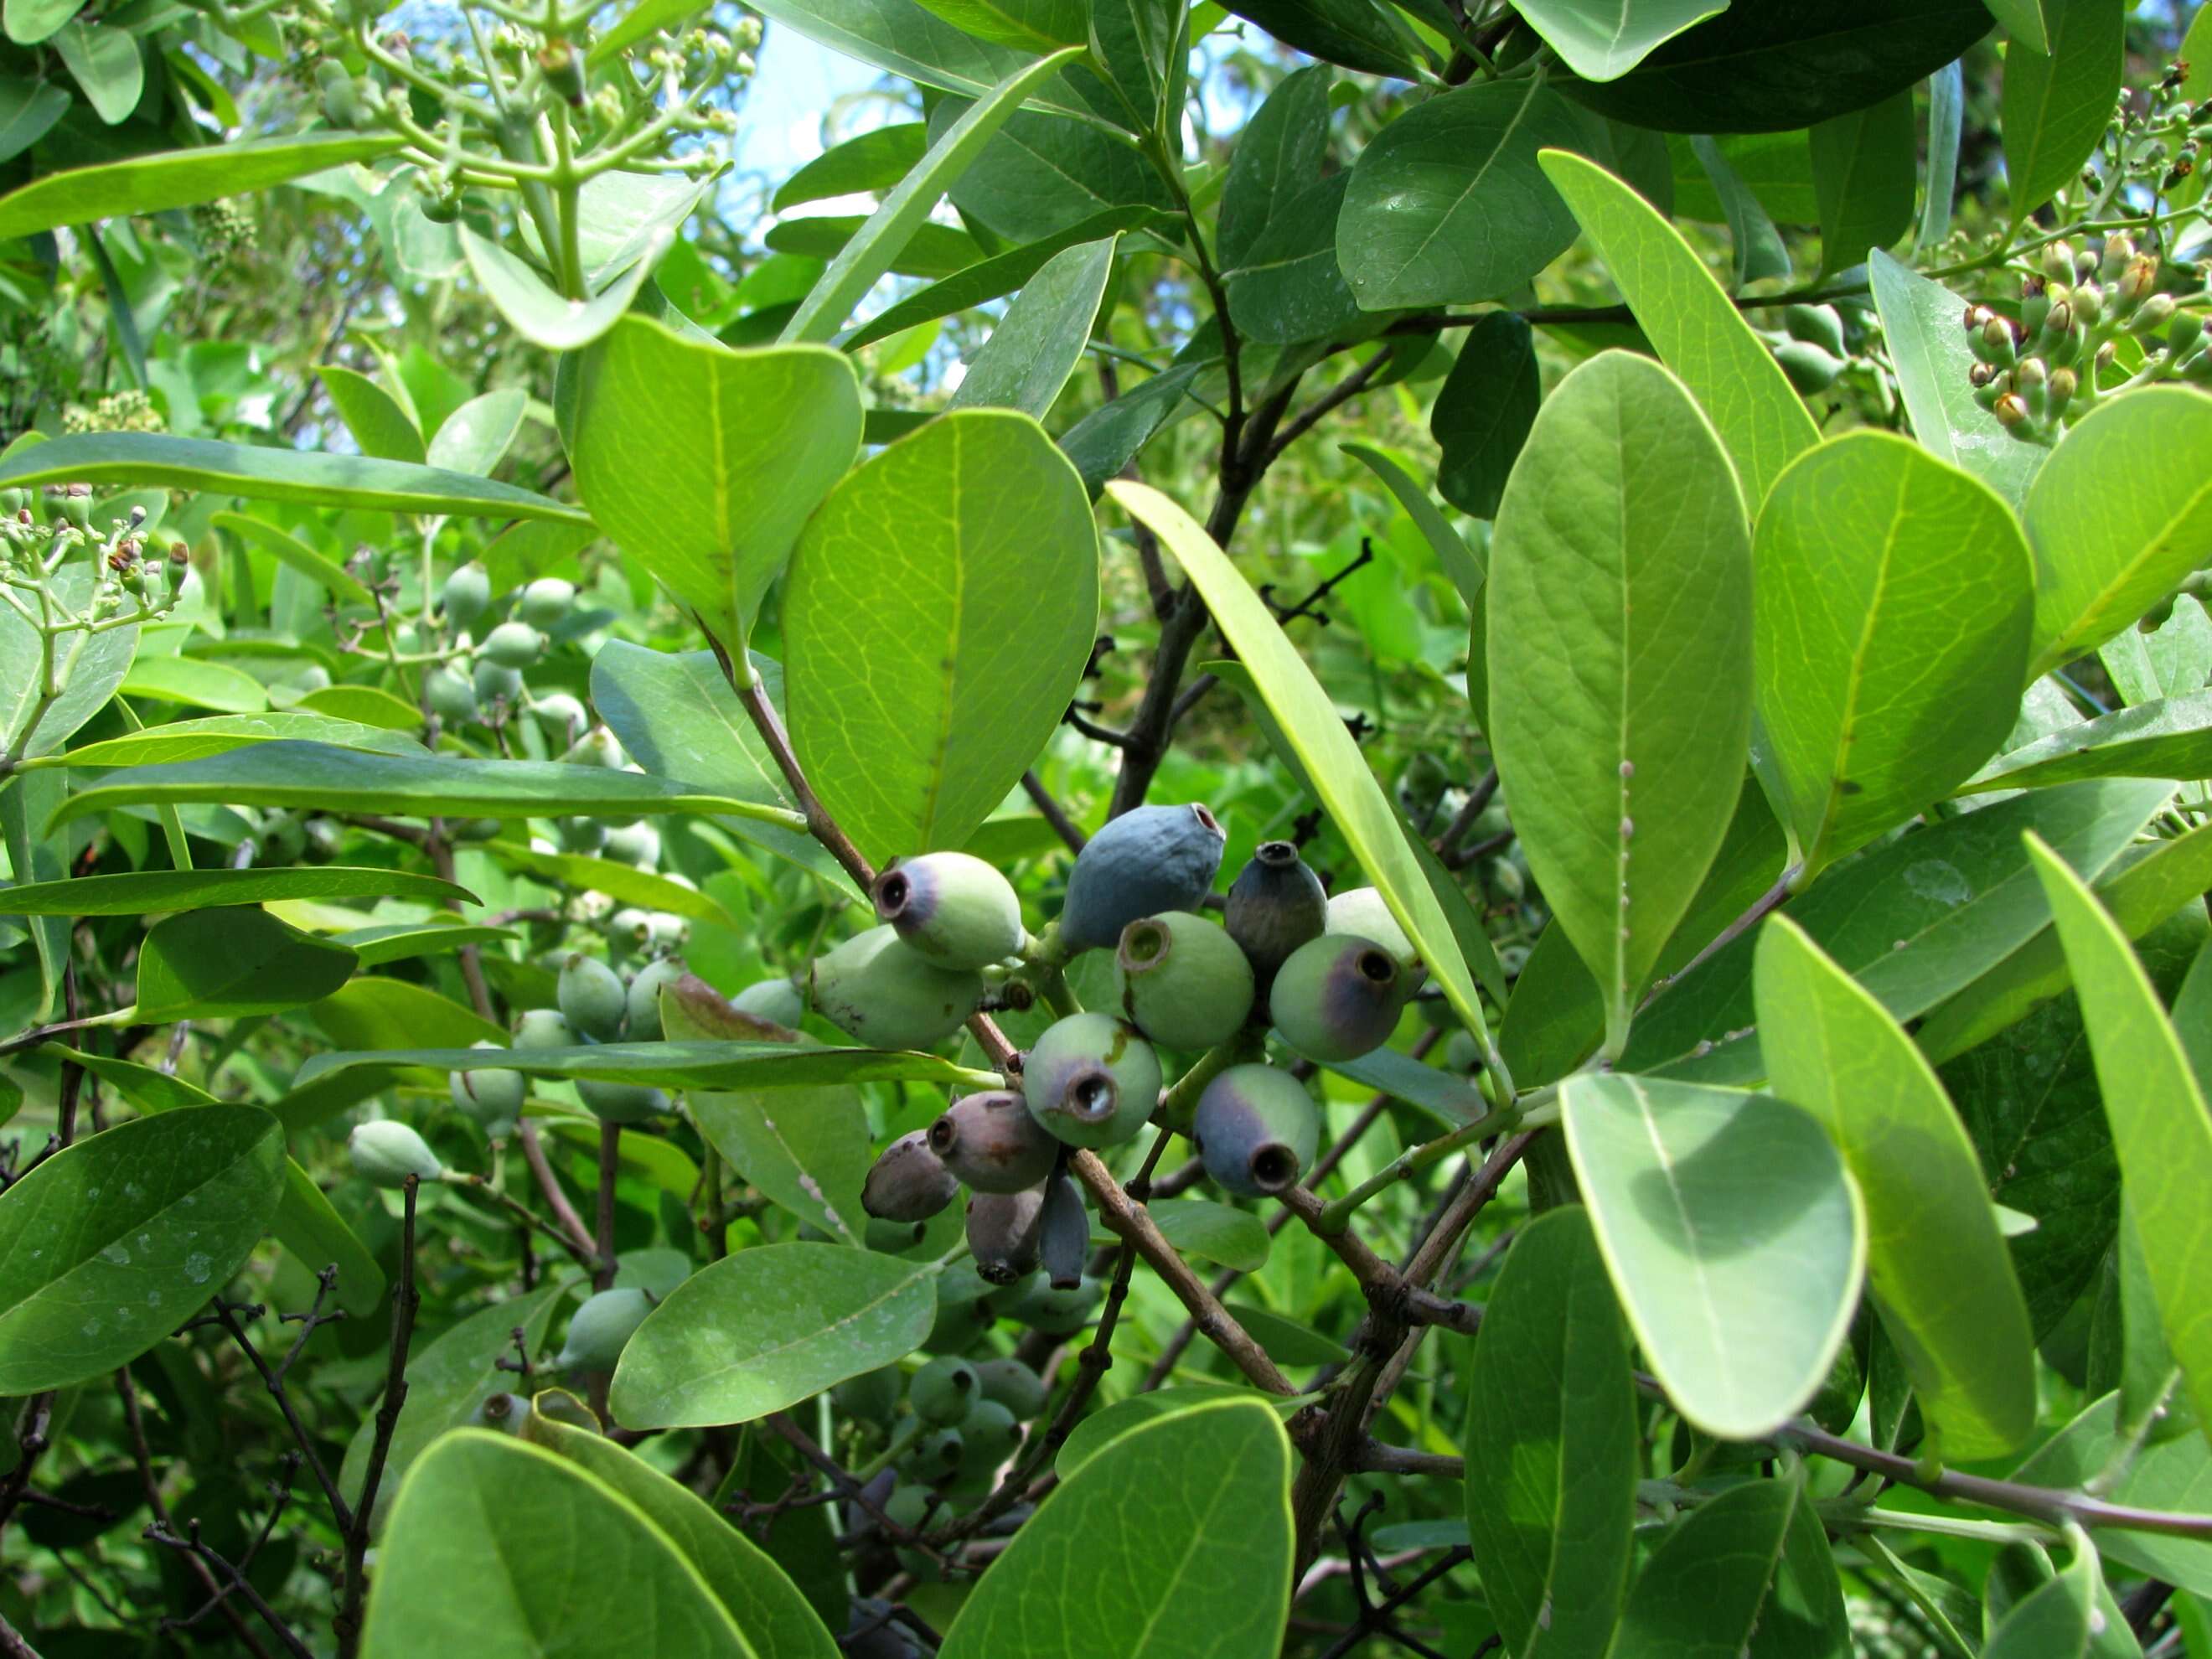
2058, 261
2011, 410
2119, 250
2153, 315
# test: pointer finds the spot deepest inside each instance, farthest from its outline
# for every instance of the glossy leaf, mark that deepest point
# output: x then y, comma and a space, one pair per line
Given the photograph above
1619, 606
2052, 1620
871, 162
2175, 1475
2119, 515
272, 474
317, 1238
1894, 599
766, 1328
759, 1597
1935, 1258
289, 549
227, 963
1446, 204
320, 777
34, 854
803, 1148
1702, 1594
1733, 1235
763, 434
28, 110
907, 40
110, 1244
629, 884
1692, 324
1038, 342
195, 683
2160, 1126
1947, 117
475, 437
372, 415
1213, 1232
496, 1546
1040, 174
375, 1012
2058, 102
1467, 568
2027, 22
1603, 39
1483, 412
1551, 1443
930, 662
538, 312
175, 179
1352, 32
1310, 722
679, 1064
1155, 1525
130, 893
1865, 167
2171, 737
1759, 250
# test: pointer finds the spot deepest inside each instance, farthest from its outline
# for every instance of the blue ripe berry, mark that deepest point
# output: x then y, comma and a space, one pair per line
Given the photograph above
1151, 859
1275, 905
991, 1144
1339, 997
1256, 1129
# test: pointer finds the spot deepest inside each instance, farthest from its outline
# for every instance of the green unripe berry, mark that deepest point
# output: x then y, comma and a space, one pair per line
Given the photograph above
545, 603
1275, 905
1339, 997
877, 991
495, 683
1362, 913
953, 910
777, 1000
543, 1028
935, 1457
1256, 1128
630, 927
466, 595
1181, 980
988, 1435
592, 997
909, 1182
990, 1143
637, 845
563, 717
581, 834
492, 1098
600, 1328
643, 1000
1058, 1312
452, 698
384, 1153
513, 645
1013, 1385
1147, 861
622, 1103
1002, 1233
597, 747
503, 1414
1810, 369
943, 1392
1817, 326
1091, 1080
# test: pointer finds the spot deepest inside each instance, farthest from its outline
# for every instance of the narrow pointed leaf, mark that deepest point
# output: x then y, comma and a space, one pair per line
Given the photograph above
695, 1064
372, 415
180, 178
1037, 343
2057, 102
130, 893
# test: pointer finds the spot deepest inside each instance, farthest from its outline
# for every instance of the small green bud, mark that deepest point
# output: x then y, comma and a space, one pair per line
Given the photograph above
1810, 369
495, 683
2153, 315
2058, 261
452, 698
1820, 325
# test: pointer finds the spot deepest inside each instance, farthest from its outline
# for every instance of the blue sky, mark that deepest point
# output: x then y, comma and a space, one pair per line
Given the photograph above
797, 82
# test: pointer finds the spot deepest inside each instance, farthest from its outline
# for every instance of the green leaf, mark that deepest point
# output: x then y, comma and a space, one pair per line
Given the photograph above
1103, 1427
905, 39
366, 704
1041, 338
2172, 1476
1230, 1239
325, 778
2057, 104
1040, 174
1108, 438
677, 716
1934, 1257
270, 474
1290, 288
627, 882
28, 110
870, 162
2160, 1126
228, 963
1702, 1594
1315, 732
106, 65
1483, 412
1551, 1421
373, 416
1920, 321
1692, 324
39, 856
175, 179
1446, 204
868, 256
130, 893
1804, 1617
382, 1013
1352, 32
30, 22
317, 1238
475, 437
1894, 599
2027, 22
1038, 25
1759, 250
218, 734
1865, 166
767, 1328
759, 1597
448, 1380
1912, 922
1155, 1525
499, 1548
30, 726
1777, 68
2119, 515
196, 684
679, 1065
1604, 39
2052, 1621
287, 549
1620, 609
803, 1148
1465, 566
1733, 1235
1947, 117
1279, 153
2171, 737
757, 438
109, 1245
927, 668
540, 313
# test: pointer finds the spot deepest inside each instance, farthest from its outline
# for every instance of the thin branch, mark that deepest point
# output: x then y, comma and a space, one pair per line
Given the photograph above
1335, 397
1054, 813
273, 1380
192, 1546
405, 1297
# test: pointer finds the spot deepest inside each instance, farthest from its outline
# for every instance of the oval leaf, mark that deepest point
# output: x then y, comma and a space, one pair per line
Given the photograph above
1702, 1592
228, 963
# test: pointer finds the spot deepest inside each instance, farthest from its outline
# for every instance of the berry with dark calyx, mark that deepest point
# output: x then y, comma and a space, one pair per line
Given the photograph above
385, 1153
1820, 325
513, 645
1182, 981
543, 1028
1362, 913
1339, 997
1091, 1080
1063, 1233
545, 603
600, 1328
466, 595
502, 1412
643, 998
965, 1310
777, 1000
1002, 1233
592, 997
908, 1182
1275, 905
1256, 1128
878, 992
1147, 861
943, 1392
935, 1457
1013, 1385
988, 1435
952, 908
451, 697
992, 1144
491, 1098
622, 1103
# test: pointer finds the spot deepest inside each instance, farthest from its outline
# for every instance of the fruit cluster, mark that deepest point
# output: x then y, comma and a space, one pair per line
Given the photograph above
483, 684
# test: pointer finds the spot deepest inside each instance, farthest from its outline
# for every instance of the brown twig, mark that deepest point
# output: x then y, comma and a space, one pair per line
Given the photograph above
273, 1379
12, 1644
191, 1547
1054, 813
